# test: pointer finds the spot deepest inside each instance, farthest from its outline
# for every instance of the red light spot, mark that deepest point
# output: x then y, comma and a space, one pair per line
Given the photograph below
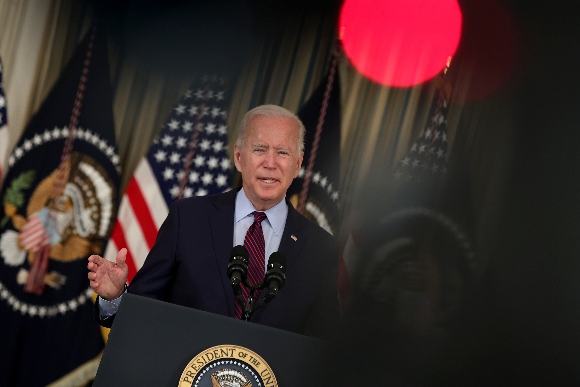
400, 43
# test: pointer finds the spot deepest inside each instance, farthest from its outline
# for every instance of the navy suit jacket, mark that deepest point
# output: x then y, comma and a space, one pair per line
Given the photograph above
188, 266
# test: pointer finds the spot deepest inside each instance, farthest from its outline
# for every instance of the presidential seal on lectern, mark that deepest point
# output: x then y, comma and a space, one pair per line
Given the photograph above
227, 366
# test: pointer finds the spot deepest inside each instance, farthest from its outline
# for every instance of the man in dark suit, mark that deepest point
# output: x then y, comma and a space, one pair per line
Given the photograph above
188, 263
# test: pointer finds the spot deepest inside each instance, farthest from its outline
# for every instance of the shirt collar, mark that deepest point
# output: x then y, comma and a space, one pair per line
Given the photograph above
276, 215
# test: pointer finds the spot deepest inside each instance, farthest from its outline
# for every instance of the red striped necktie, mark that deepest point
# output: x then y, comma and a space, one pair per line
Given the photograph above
254, 243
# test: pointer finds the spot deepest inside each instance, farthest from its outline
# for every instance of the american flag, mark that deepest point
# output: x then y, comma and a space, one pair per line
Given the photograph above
427, 157
188, 158
4, 138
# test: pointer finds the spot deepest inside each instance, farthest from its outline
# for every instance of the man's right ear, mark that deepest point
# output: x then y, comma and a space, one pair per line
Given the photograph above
237, 157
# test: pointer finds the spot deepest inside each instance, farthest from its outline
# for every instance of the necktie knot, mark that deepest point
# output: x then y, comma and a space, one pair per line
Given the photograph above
259, 216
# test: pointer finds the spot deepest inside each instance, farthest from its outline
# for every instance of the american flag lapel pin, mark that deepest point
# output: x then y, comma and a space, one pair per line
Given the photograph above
293, 237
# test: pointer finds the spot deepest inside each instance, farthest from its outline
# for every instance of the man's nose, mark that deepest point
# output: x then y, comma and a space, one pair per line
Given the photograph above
270, 160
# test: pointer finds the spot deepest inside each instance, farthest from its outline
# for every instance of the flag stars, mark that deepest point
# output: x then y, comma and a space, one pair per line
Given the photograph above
316, 177
174, 158
201, 192
301, 173
160, 155
222, 130
180, 109
37, 140
56, 132
18, 152
173, 124
103, 145
216, 111
181, 142
187, 126
405, 161
193, 177
219, 96
225, 163
192, 110
187, 192
207, 178
221, 180
168, 174
27, 145
95, 139
174, 191
218, 146
199, 94
422, 148
110, 151
199, 161
323, 182
212, 163
46, 135
205, 144
73, 304
167, 140
210, 128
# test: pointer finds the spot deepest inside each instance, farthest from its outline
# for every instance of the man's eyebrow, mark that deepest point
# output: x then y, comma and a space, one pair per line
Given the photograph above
261, 145
258, 144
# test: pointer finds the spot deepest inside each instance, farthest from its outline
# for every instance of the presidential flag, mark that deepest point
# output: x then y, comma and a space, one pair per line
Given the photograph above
4, 137
315, 191
188, 158
59, 201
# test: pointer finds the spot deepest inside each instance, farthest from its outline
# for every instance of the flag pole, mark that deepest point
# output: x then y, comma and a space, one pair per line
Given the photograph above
35, 281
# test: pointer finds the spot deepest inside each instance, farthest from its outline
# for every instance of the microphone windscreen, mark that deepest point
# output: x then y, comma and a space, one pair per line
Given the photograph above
277, 257
239, 251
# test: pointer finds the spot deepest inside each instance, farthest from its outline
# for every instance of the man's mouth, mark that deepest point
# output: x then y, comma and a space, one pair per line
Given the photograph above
268, 180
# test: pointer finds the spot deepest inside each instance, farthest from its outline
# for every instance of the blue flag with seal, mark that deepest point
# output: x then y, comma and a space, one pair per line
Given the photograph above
59, 201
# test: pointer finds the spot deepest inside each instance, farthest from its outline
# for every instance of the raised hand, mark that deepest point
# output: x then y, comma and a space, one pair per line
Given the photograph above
108, 278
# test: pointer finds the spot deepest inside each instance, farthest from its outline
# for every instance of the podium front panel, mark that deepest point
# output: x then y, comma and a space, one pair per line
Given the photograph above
152, 342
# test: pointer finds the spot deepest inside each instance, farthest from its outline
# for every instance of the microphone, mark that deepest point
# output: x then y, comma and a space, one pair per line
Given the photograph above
275, 275
238, 267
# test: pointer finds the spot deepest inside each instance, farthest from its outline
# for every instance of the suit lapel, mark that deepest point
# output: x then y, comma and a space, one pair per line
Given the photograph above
222, 230
293, 238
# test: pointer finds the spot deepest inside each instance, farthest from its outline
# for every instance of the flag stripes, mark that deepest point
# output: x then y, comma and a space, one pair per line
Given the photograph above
141, 213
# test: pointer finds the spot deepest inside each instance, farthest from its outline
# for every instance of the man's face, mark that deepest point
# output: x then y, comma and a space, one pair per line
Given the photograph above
269, 159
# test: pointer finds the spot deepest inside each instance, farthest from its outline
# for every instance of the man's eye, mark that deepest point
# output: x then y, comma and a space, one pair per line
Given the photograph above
259, 150
283, 153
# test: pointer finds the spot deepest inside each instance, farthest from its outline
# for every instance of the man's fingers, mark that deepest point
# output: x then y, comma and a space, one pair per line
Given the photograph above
121, 256
97, 260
